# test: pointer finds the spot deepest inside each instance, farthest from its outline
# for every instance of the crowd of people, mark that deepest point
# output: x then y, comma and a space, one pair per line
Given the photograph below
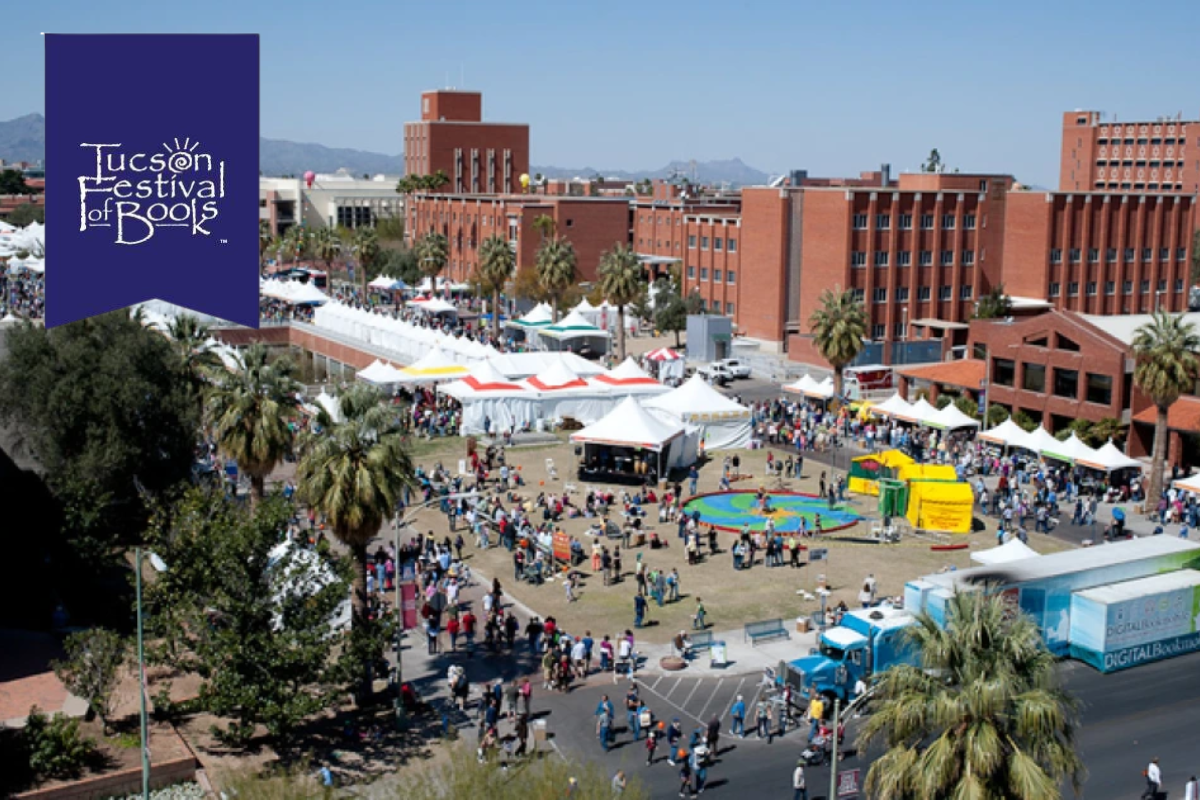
22, 294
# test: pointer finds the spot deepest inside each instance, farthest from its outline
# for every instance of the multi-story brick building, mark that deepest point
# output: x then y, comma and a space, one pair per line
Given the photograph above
477, 156
1106, 155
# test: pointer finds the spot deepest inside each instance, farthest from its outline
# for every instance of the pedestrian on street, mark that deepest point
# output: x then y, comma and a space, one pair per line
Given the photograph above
526, 695
738, 713
685, 775
631, 711
762, 716
1153, 780
674, 734
618, 783
698, 619
1191, 789
639, 610
652, 744
603, 730
714, 733
798, 782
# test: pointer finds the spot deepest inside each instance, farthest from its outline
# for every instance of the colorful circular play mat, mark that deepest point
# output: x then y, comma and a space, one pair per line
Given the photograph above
729, 511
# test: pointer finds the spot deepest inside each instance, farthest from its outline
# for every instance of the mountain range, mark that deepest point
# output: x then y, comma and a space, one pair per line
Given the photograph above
24, 139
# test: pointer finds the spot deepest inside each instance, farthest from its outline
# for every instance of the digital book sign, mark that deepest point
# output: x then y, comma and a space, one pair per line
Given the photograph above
152, 149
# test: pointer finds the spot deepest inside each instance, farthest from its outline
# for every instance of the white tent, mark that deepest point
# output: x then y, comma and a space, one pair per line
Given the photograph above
331, 405
435, 305
1012, 550
1191, 484
573, 326
1007, 433
920, 412
387, 284
1109, 459
805, 384
631, 426
724, 424
1071, 450
628, 378
491, 401
307, 574
380, 374
951, 418
893, 406
670, 363
293, 292
1040, 440
525, 365
436, 365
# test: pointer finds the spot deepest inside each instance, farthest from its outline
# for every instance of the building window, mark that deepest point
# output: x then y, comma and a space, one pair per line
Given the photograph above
731, 245
1110, 255
1033, 377
1178, 285
856, 295
1147, 252
1055, 289
1093, 255
943, 293
716, 276
717, 244
691, 273
948, 222
1145, 286
968, 222
1004, 371
1066, 382
1073, 254
947, 258
1091, 289
883, 222
898, 331
922, 293
1073, 289
1164, 254
1181, 254
1055, 255
877, 331
1099, 389
964, 292
906, 222
858, 259
968, 257
880, 294
704, 273
904, 258
927, 222
729, 309
1110, 288
703, 242
691, 243
1129, 254
1162, 285
926, 258
860, 222
901, 294
703, 305
730, 277
881, 258
1127, 287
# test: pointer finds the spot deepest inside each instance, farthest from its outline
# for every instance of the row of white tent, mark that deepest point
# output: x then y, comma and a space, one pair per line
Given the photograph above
293, 292
1071, 450
410, 342
30, 240
810, 387
923, 413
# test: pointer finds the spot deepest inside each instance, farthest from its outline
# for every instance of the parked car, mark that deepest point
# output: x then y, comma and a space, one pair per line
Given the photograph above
737, 368
716, 374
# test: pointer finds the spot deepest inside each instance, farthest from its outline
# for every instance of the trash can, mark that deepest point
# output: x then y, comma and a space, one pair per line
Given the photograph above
539, 731
716, 655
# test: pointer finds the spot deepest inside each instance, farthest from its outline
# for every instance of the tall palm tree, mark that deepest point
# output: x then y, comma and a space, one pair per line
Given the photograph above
190, 337
433, 251
980, 717
555, 265
438, 179
326, 246
545, 225
366, 251
496, 263
838, 326
265, 238
247, 410
353, 473
1165, 349
621, 283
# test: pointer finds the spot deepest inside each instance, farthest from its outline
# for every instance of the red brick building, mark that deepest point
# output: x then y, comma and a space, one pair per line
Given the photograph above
1107, 155
477, 156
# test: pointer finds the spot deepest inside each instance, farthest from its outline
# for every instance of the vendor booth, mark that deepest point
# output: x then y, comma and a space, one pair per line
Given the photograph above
927, 472
1109, 459
894, 406
380, 374
1010, 551
434, 366
633, 445
526, 328
574, 333
951, 418
937, 506
490, 401
668, 363
809, 387
628, 378
1070, 450
1006, 434
867, 471
724, 423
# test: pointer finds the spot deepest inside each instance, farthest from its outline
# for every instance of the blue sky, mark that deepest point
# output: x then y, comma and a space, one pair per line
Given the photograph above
834, 88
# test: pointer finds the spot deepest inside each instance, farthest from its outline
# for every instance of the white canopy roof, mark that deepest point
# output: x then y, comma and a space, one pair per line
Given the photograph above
1071, 450
920, 412
628, 370
435, 305
556, 378
387, 284
1109, 459
663, 354
331, 404
583, 306
1190, 484
523, 365
293, 292
541, 314
1012, 550
893, 406
574, 325
808, 386
380, 373
484, 380
950, 418
695, 397
1007, 433
1039, 440
630, 425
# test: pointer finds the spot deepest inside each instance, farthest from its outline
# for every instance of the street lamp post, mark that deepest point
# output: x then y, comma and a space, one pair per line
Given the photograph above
137, 569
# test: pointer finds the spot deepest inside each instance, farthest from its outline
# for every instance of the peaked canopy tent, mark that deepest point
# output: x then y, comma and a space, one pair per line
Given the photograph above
434, 305
1039, 440
492, 402
386, 284
867, 471
331, 404
724, 423
1012, 550
293, 292
1189, 484
562, 393
669, 363
573, 332
920, 413
527, 326
436, 365
628, 378
1007, 434
893, 406
1109, 459
526, 365
1071, 450
951, 418
810, 387
629, 436
380, 374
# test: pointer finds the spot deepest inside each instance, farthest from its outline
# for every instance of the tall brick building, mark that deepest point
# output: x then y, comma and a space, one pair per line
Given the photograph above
477, 156
1162, 155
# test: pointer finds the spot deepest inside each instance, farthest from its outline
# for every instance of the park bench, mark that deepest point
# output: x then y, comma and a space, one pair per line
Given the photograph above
701, 640
766, 629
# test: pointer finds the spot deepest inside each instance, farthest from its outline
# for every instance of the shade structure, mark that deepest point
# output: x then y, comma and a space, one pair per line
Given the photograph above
893, 406
1070, 450
810, 387
293, 292
631, 427
1109, 459
386, 284
541, 314
663, 354
525, 365
1010, 551
724, 423
556, 378
628, 378
1189, 484
331, 404
380, 374
670, 363
951, 418
434, 305
1007, 433
573, 326
919, 412
436, 365
492, 402
1039, 440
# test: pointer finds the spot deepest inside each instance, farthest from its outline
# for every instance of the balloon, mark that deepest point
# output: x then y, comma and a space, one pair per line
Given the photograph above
524, 179
308, 178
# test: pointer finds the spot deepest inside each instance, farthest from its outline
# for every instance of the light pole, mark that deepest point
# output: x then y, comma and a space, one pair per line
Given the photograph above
141, 656
837, 707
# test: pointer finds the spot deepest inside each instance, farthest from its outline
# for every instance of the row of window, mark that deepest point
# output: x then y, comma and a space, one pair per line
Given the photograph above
730, 275
1110, 288
880, 294
1153, 187
716, 307
1075, 255
904, 258
1142, 140
1064, 383
717, 244
883, 222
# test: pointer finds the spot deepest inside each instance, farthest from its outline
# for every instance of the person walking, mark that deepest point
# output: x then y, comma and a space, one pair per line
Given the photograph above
698, 619
1191, 789
618, 783
738, 714
639, 610
685, 776
1153, 780
526, 695
674, 734
652, 743
632, 707
798, 783
762, 717
604, 730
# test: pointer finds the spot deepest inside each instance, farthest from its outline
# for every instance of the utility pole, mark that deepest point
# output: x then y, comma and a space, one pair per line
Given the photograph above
137, 569
837, 707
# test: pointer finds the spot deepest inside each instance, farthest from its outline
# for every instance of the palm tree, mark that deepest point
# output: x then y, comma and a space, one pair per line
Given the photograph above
247, 410
326, 246
496, 262
1165, 349
433, 250
190, 339
980, 717
838, 325
555, 265
366, 250
438, 179
545, 225
621, 283
353, 474
264, 241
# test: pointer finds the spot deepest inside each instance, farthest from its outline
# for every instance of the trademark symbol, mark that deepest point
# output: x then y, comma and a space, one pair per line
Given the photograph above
224, 241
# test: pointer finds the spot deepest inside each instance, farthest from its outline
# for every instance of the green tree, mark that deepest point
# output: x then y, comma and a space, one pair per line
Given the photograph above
967, 406
265, 240
326, 246
353, 474
1165, 349
996, 414
545, 225
1022, 420
366, 252
1195, 271
994, 305
400, 262
190, 338
943, 401
390, 229
12, 181
93, 664
496, 264
555, 267
981, 716
1104, 430
104, 406
433, 251
621, 282
256, 623
24, 214
670, 311
248, 410
838, 326
438, 180
55, 747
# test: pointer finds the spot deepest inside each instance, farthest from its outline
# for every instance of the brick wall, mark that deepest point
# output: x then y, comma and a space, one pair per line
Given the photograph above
761, 306
121, 783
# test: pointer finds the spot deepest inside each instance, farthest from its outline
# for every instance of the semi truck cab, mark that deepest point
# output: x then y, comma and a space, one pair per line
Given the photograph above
868, 641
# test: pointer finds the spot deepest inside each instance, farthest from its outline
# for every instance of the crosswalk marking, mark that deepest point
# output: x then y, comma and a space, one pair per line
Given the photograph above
716, 689
695, 686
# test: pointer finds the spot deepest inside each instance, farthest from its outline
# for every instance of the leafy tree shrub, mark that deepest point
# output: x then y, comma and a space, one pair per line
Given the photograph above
93, 664
967, 406
55, 747
995, 415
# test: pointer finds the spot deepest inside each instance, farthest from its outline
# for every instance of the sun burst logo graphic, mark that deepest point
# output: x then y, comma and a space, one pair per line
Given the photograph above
181, 158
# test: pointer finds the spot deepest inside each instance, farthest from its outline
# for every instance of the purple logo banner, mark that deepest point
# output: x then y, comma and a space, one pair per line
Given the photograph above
152, 173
